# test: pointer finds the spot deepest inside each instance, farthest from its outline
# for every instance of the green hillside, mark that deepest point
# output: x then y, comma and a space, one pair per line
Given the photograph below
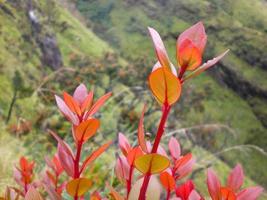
108, 49
232, 94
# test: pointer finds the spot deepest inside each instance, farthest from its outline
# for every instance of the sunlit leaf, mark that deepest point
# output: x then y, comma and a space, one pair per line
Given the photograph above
72, 103
86, 129
167, 181
188, 55
165, 86
95, 155
141, 132
196, 34
174, 148
80, 94
124, 144
78, 187
151, 163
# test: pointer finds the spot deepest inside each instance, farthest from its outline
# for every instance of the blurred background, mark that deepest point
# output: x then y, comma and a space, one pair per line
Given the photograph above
50, 46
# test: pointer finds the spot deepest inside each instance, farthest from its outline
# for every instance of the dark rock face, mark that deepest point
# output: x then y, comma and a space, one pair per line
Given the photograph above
51, 55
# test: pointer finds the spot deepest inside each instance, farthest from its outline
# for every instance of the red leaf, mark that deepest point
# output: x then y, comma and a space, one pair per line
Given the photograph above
167, 181
236, 178
66, 160
214, 185
87, 103
86, 129
72, 103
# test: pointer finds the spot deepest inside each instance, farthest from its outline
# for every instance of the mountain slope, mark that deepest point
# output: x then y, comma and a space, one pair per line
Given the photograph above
235, 93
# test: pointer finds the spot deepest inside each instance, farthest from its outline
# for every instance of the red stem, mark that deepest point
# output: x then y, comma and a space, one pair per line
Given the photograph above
129, 182
168, 194
182, 71
76, 163
142, 194
166, 109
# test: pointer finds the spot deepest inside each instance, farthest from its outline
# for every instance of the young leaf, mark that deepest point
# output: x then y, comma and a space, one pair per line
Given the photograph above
167, 181
80, 94
86, 129
196, 34
64, 109
88, 101
66, 160
141, 132
236, 178
174, 148
151, 163
95, 155
165, 86
124, 144
78, 187
159, 48
188, 55
72, 103
214, 185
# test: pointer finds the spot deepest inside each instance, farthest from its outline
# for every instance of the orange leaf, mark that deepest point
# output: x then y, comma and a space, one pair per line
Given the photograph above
167, 181
86, 129
87, 102
98, 104
95, 154
78, 187
141, 132
151, 163
72, 103
133, 154
165, 86
188, 55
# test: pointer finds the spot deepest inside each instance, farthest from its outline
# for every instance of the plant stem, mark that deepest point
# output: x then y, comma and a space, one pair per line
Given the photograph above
129, 182
76, 163
168, 194
166, 109
142, 194
14, 98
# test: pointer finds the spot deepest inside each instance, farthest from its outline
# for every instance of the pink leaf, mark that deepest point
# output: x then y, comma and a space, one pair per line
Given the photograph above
236, 178
251, 193
66, 160
66, 111
159, 48
33, 194
174, 148
196, 34
185, 169
80, 93
122, 168
214, 185
205, 66
124, 144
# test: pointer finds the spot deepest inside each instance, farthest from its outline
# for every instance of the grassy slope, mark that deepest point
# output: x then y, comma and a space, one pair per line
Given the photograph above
124, 26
